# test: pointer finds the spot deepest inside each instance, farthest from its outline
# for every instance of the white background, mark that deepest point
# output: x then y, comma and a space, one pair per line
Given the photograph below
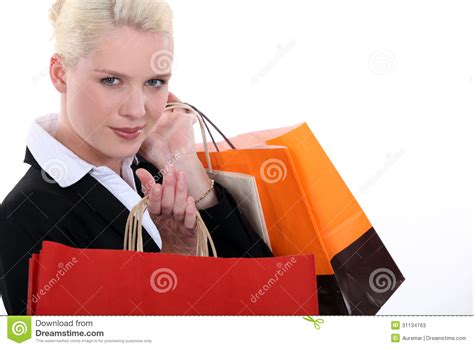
386, 86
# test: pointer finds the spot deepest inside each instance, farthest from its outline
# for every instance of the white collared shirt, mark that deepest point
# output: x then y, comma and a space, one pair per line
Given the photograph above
66, 168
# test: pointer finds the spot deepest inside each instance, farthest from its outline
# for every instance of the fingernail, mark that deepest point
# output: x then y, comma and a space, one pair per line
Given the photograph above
181, 177
156, 191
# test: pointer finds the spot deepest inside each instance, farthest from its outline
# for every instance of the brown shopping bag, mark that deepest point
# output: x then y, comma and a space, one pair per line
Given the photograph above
309, 209
71, 281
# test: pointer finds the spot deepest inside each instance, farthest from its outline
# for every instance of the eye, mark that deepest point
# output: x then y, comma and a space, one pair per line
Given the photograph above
153, 83
109, 81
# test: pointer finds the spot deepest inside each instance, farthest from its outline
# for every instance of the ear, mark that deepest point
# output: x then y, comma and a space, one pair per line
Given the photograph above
57, 72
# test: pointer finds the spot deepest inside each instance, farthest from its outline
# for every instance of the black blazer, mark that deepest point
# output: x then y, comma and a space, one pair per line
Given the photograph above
87, 215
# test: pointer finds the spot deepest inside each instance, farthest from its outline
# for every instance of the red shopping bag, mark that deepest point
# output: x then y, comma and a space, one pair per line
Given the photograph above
71, 281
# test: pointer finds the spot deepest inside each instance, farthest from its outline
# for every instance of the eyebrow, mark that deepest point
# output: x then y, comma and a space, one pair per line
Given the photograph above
110, 72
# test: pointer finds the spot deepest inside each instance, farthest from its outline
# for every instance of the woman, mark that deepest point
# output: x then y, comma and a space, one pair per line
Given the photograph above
108, 147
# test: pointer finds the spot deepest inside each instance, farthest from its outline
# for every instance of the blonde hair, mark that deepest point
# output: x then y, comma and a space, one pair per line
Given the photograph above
79, 24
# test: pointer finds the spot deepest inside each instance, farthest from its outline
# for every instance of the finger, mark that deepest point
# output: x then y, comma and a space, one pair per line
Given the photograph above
172, 98
154, 199
191, 214
146, 179
167, 201
194, 118
180, 198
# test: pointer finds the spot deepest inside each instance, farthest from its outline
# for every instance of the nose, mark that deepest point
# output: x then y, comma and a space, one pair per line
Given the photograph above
134, 104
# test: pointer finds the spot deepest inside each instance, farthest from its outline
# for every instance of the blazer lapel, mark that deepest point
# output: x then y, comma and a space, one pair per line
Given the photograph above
104, 203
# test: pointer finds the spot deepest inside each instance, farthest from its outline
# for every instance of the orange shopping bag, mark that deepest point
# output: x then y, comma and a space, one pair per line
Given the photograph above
309, 209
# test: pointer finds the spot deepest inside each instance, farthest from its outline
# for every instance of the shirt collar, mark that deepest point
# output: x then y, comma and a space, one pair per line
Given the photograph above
63, 165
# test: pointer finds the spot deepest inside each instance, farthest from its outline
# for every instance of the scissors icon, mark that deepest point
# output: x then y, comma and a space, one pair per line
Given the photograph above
315, 322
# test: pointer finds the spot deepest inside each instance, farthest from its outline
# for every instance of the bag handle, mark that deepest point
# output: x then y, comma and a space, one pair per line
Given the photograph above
204, 118
133, 239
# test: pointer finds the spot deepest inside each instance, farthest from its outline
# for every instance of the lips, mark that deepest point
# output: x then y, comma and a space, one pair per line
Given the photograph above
128, 130
128, 133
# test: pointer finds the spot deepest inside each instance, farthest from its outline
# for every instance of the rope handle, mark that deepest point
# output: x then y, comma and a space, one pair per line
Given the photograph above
133, 239
204, 119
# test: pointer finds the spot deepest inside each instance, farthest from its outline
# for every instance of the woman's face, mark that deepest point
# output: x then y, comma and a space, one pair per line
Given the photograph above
123, 83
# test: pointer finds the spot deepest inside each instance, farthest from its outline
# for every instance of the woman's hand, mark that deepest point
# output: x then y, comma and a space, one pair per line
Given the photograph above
172, 143
172, 137
172, 211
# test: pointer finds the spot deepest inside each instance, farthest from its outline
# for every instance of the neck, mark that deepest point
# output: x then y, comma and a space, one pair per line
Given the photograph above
69, 138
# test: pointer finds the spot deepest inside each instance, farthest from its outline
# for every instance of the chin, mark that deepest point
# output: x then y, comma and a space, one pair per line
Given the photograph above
121, 152
128, 153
